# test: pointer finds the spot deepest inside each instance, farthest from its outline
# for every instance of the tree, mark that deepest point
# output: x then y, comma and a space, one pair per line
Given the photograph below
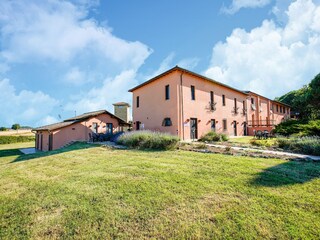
3, 129
305, 101
16, 126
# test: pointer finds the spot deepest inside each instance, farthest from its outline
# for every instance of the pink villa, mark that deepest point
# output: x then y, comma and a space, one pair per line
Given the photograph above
78, 128
190, 105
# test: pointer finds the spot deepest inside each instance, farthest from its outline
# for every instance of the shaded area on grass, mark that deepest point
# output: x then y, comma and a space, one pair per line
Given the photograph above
288, 173
26, 157
10, 152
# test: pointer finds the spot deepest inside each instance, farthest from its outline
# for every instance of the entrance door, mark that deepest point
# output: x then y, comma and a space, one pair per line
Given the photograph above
41, 142
193, 128
137, 125
50, 141
235, 128
213, 125
245, 133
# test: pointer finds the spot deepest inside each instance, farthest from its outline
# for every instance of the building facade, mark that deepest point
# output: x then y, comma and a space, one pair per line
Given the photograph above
189, 105
79, 128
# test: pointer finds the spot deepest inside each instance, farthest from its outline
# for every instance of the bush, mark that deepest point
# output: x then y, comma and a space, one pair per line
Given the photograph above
15, 139
213, 137
306, 145
298, 128
3, 129
148, 140
260, 143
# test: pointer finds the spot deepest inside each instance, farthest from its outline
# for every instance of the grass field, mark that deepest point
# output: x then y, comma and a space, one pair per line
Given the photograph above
91, 192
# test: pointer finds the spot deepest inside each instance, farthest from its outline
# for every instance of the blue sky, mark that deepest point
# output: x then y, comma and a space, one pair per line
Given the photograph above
62, 57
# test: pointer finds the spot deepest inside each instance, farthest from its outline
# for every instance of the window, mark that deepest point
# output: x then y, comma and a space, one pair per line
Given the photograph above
224, 123
252, 100
280, 109
244, 107
95, 127
138, 101
223, 100
167, 122
277, 108
109, 128
167, 92
193, 94
211, 100
271, 108
235, 103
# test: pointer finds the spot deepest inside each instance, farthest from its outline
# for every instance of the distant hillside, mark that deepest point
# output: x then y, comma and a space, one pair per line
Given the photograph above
305, 102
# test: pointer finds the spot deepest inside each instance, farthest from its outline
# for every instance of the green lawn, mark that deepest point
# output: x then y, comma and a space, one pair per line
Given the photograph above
90, 192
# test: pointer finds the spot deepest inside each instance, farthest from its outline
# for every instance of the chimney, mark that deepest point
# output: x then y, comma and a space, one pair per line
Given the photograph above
121, 110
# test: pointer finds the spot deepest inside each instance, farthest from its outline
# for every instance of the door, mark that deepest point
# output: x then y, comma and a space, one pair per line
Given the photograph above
213, 125
41, 142
193, 128
109, 128
137, 125
245, 133
235, 128
50, 141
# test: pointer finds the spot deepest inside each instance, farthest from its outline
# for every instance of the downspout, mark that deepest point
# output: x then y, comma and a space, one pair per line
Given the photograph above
181, 107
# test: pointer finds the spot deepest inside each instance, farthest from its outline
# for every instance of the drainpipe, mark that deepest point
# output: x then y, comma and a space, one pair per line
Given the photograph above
181, 107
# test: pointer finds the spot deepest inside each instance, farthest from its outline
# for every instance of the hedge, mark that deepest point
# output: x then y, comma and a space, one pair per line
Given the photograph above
15, 139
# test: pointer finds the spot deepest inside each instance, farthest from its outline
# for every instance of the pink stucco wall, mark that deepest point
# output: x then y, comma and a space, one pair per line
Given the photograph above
153, 107
77, 132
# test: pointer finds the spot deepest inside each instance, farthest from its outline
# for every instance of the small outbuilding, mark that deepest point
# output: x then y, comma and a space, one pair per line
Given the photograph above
78, 128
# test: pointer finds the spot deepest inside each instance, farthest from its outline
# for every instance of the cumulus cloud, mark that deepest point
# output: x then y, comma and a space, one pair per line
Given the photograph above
68, 47
270, 59
58, 30
24, 107
236, 5
101, 97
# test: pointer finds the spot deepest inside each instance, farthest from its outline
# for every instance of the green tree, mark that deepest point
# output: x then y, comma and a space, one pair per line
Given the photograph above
3, 129
16, 126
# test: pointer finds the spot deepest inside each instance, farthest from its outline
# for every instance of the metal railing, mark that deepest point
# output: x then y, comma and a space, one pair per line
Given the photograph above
262, 123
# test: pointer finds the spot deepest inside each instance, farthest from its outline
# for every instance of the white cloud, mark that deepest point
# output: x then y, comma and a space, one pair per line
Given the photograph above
59, 30
236, 5
270, 59
69, 47
24, 107
188, 63
75, 77
101, 97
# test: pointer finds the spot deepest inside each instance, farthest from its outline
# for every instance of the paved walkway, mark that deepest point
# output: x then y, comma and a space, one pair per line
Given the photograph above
314, 158
28, 150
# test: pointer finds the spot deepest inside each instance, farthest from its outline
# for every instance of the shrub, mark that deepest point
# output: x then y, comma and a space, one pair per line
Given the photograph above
260, 143
3, 129
213, 137
306, 145
298, 128
15, 139
148, 140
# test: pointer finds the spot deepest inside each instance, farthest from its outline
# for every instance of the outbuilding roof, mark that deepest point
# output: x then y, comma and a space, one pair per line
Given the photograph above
121, 104
54, 126
76, 119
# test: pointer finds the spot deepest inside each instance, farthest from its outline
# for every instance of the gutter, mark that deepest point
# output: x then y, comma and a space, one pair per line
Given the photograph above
181, 107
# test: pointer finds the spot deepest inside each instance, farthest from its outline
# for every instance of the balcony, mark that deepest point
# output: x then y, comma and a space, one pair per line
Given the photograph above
261, 123
212, 106
235, 110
